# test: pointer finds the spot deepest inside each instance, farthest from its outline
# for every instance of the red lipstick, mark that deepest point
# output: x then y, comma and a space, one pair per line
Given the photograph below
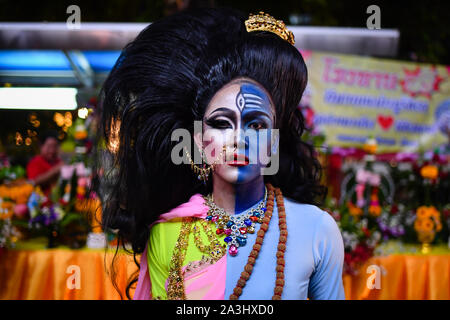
243, 161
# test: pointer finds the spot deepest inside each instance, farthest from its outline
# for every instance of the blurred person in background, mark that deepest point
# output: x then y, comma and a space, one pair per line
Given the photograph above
43, 169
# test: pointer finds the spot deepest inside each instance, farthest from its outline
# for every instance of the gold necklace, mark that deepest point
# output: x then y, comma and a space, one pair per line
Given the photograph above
215, 251
176, 289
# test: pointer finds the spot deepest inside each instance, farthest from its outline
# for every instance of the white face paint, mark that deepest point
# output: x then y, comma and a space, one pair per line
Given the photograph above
235, 118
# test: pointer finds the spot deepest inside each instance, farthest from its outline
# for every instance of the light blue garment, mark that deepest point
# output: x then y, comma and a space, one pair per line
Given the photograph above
314, 257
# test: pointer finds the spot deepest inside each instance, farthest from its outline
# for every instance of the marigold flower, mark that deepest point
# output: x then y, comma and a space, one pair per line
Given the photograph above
434, 212
428, 225
375, 210
418, 225
429, 172
423, 212
6, 211
81, 190
354, 210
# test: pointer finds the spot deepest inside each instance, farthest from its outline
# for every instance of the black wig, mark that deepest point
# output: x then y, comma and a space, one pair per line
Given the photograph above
280, 69
163, 81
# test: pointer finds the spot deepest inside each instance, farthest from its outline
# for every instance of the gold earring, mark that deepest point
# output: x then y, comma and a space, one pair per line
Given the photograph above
203, 173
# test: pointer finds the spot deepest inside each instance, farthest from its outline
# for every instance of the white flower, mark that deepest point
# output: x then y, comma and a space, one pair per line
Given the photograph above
376, 236
350, 240
60, 212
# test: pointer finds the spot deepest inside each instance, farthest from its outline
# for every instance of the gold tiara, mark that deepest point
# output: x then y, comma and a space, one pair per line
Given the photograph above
265, 22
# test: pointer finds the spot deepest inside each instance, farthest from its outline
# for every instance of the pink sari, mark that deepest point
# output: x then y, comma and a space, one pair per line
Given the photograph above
207, 283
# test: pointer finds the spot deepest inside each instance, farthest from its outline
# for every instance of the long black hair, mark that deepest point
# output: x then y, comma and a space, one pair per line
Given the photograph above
163, 81
280, 68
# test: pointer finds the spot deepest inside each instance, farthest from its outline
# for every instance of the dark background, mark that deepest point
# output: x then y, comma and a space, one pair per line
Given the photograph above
424, 25
424, 33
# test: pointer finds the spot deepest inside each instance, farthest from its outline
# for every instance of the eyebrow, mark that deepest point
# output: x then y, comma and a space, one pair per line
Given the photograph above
220, 109
224, 111
255, 113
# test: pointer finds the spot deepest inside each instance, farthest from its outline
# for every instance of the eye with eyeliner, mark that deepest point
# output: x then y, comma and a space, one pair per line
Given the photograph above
258, 125
218, 123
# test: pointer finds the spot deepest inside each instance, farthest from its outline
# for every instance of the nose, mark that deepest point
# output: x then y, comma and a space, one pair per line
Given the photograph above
240, 141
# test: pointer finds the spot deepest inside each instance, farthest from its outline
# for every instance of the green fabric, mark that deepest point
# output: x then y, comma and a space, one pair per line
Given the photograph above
163, 237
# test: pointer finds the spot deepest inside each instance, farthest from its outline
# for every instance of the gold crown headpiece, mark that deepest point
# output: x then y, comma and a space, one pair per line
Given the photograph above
265, 22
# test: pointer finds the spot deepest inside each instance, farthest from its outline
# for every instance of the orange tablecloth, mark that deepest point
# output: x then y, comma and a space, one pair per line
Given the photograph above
403, 276
42, 274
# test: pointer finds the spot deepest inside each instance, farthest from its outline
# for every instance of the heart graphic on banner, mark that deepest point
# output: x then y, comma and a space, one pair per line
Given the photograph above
385, 121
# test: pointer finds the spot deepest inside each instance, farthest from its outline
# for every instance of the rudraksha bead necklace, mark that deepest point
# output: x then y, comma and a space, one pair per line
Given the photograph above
281, 248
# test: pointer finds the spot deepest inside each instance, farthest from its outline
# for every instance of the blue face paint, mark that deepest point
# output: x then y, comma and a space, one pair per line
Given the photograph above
252, 97
256, 113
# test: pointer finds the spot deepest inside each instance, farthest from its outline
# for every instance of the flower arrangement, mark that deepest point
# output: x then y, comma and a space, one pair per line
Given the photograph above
61, 216
423, 187
427, 223
17, 193
69, 212
364, 212
44, 217
14, 194
8, 234
360, 236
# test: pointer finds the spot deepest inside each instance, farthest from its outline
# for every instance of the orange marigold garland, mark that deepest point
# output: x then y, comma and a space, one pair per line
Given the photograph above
245, 275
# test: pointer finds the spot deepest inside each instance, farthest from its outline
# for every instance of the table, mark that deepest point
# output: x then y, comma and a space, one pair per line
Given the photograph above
48, 274
401, 276
34, 273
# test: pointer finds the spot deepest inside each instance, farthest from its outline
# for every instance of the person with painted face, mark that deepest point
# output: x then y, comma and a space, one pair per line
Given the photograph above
212, 184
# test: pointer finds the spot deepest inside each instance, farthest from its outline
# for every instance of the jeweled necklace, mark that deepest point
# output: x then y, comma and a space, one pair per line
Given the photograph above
235, 227
175, 288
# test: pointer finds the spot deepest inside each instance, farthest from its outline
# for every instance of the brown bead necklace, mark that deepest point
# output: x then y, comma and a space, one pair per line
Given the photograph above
176, 288
248, 268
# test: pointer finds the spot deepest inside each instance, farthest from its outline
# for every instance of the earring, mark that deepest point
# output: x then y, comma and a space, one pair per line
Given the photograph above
203, 173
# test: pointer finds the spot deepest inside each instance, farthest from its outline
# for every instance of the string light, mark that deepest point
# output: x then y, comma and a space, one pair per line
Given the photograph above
83, 113
19, 139
34, 120
59, 119
68, 119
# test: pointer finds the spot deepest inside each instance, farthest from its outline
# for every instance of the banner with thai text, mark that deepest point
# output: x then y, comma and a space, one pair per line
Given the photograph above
405, 106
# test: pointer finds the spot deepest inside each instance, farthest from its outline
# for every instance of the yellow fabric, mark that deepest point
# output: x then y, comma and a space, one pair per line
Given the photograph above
163, 237
42, 274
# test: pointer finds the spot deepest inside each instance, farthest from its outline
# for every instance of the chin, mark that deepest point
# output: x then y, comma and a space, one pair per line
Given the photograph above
227, 173
239, 175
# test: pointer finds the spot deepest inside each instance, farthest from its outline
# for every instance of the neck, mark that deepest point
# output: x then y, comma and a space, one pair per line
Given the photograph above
236, 198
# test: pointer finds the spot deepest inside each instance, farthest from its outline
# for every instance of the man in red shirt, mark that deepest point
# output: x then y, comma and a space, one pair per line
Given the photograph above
44, 169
